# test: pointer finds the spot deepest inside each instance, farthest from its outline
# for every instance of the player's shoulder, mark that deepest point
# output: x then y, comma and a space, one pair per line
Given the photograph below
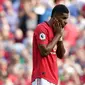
41, 26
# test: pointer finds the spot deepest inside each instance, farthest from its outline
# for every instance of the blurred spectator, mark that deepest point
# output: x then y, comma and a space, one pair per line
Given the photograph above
11, 15
45, 13
28, 18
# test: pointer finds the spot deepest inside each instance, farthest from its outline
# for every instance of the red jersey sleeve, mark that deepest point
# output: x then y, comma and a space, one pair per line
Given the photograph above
42, 35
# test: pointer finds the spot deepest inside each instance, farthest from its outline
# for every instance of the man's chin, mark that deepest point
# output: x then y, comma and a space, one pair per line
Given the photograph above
63, 26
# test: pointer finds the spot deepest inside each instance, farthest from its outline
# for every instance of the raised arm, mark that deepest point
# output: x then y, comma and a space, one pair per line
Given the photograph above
46, 49
60, 49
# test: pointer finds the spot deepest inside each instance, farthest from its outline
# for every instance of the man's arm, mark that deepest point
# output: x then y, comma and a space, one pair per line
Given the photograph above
46, 49
60, 49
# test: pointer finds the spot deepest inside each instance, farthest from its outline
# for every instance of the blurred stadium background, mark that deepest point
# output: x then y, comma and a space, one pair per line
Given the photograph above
18, 19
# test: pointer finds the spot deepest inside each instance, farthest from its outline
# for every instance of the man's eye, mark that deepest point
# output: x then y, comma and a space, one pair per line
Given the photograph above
64, 18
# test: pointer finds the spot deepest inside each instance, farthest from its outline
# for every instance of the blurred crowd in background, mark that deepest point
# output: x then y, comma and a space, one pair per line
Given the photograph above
18, 19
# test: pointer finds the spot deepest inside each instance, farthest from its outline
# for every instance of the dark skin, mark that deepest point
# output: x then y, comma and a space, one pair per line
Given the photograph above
57, 22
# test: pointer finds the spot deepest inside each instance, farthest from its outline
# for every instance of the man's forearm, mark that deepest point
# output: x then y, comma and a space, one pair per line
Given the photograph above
60, 49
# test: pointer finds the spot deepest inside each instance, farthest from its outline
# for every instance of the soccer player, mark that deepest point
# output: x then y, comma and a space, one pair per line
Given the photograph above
47, 46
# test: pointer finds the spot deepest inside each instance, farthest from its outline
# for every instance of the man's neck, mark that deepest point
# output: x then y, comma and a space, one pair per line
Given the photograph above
50, 23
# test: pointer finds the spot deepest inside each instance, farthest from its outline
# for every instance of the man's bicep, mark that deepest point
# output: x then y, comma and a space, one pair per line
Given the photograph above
42, 42
43, 49
42, 36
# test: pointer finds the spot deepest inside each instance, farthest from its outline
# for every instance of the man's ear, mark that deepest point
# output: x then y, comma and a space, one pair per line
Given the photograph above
55, 20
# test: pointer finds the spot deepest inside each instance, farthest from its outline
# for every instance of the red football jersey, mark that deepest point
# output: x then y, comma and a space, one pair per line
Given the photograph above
44, 67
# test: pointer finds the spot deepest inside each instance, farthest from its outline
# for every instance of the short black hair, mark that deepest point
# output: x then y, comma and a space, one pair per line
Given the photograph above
59, 9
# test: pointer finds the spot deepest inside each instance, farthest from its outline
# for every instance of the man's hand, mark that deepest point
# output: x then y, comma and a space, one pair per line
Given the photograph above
61, 38
57, 27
